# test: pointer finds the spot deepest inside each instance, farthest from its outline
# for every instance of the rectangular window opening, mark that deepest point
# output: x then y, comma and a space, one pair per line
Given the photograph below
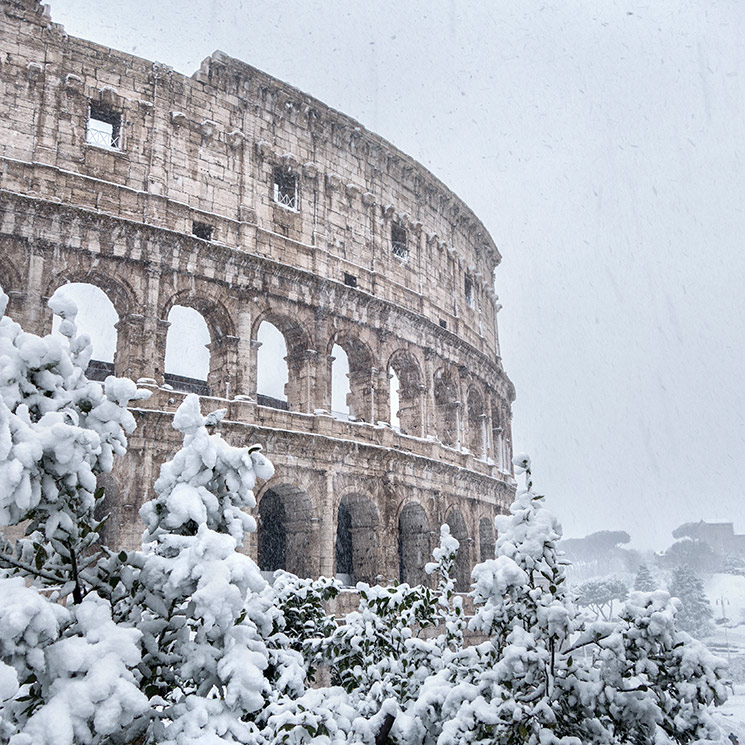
398, 242
104, 128
350, 280
202, 230
443, 323
285, 188
469, 291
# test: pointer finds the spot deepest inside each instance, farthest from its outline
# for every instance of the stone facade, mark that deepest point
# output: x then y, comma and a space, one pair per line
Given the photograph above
237, 195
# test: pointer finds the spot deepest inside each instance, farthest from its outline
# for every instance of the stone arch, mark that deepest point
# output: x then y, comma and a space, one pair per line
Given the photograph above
130, 328
361, 398
341, 390
222, 345
447, 407
284, 513
462, 568
217, 316
272, 373
10, 277
357, 552
414, 543
99, 320
119, 292
487, 538
476, 422
297, 358
187, 350
409, 398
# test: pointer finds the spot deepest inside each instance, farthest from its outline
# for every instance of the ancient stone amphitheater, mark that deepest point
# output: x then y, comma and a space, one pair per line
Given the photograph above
242, 198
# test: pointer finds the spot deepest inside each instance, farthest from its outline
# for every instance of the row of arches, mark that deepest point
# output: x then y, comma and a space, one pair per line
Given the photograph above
458, 411
285, 538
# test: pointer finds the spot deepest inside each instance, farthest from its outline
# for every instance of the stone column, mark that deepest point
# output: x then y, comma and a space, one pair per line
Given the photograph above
300, 385
35, 320
130, 359
155, 330
246, 365
223, 375
253, 367
327, 528
428, 399
155, 343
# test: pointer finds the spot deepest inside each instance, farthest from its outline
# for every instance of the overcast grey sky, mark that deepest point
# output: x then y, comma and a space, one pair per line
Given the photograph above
601, 142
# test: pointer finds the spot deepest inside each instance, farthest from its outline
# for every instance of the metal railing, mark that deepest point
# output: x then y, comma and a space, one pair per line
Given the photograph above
187, 385
100, 138
400, 250
286, 199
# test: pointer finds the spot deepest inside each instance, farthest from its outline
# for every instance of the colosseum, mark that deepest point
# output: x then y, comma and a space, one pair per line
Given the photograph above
267, 215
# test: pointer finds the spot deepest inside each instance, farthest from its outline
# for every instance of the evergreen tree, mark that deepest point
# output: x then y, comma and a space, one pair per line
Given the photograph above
695, 613
200, 604
644, 581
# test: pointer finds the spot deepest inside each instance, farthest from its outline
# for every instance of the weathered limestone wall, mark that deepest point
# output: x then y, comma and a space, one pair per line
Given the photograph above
207, 149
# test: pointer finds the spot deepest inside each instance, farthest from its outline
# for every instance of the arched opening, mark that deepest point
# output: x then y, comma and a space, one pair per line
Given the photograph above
405, 394
187, 363
447, 421
394, 391
486, 539
272, 544
344, 545
357, 551
97, 318
340, 388
476, 424
285, 514
272, 374
462, 568
413, 544
351, 379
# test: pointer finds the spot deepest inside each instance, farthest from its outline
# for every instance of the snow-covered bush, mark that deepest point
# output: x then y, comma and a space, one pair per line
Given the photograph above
66, 668
544, 676
202, 606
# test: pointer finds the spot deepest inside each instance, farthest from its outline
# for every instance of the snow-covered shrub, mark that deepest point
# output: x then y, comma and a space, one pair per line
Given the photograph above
201, 605
544, 676
66, 671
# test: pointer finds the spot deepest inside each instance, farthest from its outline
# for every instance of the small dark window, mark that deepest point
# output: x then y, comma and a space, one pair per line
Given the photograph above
469, 291
285, 188
202, 230
398, 242
350, 280
443, 323
104, 128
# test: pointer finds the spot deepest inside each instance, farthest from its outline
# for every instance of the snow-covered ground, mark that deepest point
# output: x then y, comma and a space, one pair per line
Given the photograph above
731, 716
726, 592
